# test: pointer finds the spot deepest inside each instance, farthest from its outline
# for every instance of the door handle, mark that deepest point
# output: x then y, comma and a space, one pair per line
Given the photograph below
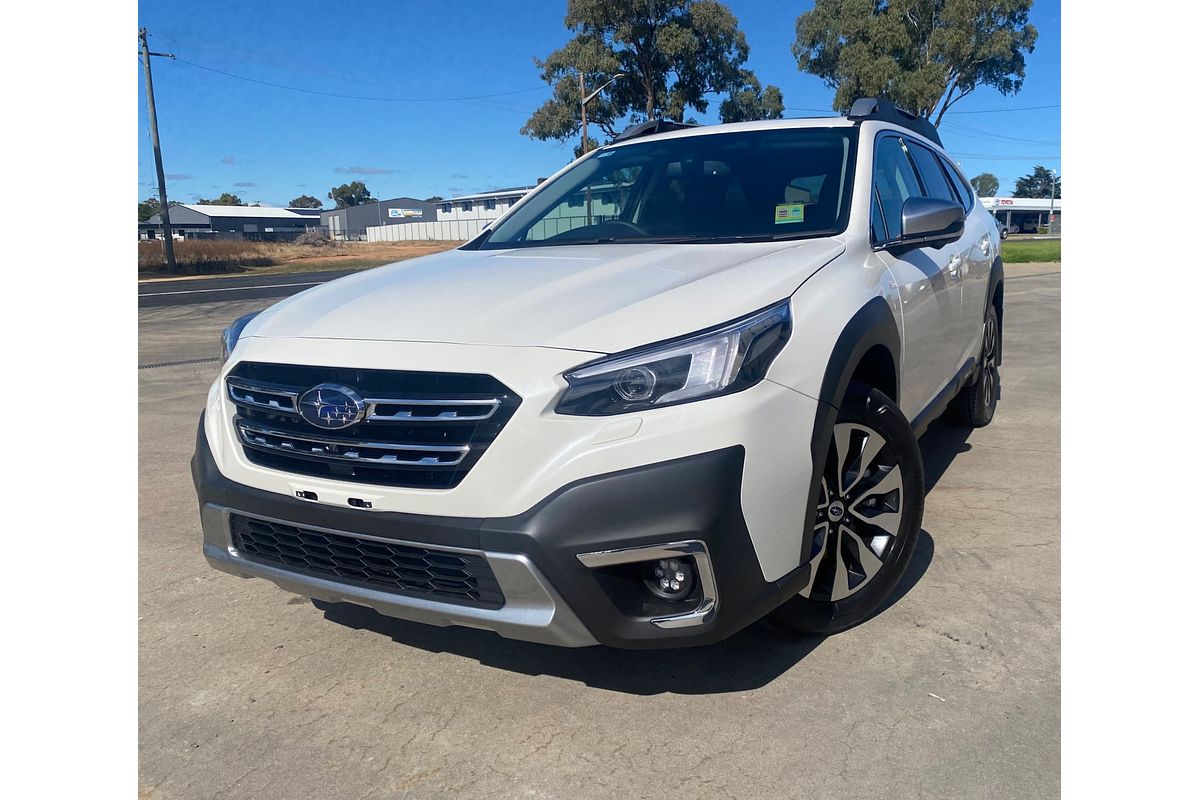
955, 264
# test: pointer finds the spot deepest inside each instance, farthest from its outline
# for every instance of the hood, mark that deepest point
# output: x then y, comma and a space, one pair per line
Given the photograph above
599, 298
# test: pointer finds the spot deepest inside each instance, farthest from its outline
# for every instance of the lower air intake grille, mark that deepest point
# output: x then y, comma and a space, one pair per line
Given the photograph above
434, 574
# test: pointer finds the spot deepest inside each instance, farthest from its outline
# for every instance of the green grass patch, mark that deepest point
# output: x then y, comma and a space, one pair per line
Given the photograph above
1029, 250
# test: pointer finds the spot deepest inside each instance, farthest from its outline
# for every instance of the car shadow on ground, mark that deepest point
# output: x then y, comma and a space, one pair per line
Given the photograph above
747, 660
941, 444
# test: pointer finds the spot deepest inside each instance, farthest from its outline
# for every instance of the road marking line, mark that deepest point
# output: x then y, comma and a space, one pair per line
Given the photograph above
231, 289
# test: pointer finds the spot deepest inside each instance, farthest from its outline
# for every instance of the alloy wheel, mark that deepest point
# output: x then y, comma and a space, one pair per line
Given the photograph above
991, 374
859, 513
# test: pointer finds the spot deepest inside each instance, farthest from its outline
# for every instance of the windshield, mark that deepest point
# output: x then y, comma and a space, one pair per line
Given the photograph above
751, 185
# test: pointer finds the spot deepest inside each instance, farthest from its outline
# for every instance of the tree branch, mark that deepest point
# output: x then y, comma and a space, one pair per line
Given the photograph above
949, 102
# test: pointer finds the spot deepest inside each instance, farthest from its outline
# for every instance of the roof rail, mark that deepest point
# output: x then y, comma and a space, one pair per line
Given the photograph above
651, 127
882, 110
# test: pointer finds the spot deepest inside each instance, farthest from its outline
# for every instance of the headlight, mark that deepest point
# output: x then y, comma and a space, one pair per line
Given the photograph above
714, 362
230, 336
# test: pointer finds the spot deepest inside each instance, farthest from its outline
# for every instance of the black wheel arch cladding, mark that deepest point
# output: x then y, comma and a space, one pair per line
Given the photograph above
872, 326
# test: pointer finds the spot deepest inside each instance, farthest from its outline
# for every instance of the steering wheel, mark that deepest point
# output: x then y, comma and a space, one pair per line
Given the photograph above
640, 231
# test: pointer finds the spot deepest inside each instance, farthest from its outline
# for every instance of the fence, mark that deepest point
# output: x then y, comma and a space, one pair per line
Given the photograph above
445, 231
463, 230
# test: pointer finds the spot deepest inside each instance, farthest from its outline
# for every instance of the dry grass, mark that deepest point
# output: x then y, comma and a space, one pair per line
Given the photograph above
209, 256
197, 257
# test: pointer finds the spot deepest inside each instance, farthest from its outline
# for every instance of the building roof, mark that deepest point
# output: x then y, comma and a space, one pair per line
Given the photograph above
375, 202
258, 212
518, 191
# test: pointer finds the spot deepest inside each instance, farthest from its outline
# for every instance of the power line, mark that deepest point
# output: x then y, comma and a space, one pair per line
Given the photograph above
1003, 110
964, 130
987, 157
974, 111
357, 97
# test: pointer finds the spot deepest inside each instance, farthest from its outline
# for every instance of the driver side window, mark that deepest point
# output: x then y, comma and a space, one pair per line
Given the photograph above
603, 198
895, 181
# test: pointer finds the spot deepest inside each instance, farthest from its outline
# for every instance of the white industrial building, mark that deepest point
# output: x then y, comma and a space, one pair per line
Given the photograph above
485, 206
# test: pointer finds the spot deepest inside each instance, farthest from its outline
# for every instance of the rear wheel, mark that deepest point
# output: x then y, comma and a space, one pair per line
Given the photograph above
869, 509
975, 405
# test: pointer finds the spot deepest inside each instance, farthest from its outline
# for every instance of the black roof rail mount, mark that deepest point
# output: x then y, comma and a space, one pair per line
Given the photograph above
883, 110
651, 127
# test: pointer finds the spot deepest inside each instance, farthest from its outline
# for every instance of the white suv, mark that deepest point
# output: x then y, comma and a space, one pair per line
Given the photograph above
675, 389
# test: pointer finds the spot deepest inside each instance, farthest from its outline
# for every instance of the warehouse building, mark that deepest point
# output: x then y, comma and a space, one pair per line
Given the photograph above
352, 222
262, 223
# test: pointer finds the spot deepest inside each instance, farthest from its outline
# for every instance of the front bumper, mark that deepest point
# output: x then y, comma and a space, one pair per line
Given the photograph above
551, 595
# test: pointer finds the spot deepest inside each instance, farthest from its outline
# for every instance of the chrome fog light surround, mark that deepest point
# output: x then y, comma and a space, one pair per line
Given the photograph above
694, 548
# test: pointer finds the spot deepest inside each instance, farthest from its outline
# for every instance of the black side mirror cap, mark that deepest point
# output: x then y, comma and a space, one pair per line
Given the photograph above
927, 221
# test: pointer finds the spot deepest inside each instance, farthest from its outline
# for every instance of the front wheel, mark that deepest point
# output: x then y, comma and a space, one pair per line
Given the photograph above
869, 510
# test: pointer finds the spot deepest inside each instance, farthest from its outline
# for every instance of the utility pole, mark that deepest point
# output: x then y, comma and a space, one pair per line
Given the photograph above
164, 211
584, 99
1053, 190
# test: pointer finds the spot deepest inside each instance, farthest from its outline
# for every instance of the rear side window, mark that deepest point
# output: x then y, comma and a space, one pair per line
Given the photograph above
965, 193
936, 185
895, 182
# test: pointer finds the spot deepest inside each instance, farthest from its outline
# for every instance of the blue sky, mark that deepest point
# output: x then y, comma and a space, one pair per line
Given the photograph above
269, 145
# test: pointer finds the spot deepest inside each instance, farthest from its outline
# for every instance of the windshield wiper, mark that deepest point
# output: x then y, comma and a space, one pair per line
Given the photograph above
751, 237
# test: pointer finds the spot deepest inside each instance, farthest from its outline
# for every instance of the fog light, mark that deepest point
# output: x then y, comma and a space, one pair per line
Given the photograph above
670, 578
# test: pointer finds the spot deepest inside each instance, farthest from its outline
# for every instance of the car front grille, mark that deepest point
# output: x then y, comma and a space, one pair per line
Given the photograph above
443, 575
418, 429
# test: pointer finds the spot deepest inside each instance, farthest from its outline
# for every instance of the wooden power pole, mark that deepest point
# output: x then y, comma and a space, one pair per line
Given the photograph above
164, 210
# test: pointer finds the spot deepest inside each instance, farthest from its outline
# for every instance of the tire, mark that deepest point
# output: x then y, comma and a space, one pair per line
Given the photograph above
1004, 233
975, 405
873, 531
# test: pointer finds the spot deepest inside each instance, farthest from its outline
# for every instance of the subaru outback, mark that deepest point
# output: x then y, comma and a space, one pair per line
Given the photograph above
676, 389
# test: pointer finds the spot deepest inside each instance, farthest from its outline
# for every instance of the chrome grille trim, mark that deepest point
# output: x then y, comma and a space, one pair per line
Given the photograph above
350, 450
453, 413
263, 395
417, 429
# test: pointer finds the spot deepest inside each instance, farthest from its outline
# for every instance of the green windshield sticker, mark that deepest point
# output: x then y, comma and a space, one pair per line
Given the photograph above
789, 212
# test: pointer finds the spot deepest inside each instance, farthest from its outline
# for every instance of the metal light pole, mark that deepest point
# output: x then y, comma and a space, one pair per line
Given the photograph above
584, 99
1053, 187
163, 211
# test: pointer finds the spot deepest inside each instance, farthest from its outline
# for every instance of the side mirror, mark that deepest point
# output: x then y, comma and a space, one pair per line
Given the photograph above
926, 221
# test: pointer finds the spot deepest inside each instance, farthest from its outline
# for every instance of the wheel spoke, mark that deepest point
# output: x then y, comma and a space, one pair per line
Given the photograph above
821, 530
841, 573
889, 483
851, 454
885, 518
867, 559
841, 440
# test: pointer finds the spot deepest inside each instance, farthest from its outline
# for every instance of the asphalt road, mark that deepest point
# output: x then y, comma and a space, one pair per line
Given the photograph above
189, 291
952, 692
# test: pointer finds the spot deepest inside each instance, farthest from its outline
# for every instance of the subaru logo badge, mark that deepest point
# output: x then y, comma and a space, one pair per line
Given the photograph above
332, 406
